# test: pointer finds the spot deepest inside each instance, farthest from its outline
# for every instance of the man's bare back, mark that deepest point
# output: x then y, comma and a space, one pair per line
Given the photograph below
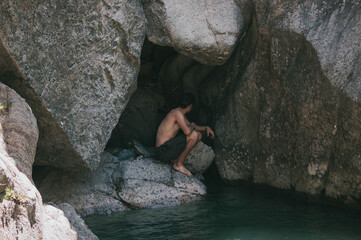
169, 127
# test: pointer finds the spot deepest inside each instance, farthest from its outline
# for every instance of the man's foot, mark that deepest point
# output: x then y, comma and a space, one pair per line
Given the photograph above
182, 169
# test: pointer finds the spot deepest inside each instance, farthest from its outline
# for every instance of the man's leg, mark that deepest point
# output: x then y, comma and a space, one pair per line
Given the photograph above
192, 140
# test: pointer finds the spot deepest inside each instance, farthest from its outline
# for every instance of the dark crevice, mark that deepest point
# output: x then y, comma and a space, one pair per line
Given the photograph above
161, 82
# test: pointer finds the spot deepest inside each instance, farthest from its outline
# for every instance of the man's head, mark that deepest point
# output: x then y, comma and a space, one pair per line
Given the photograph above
186, 101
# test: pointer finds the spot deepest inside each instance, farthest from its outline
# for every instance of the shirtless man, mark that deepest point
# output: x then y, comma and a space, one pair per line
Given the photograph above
174, 145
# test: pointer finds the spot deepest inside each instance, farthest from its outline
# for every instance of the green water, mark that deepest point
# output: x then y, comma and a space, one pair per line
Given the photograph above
237, 212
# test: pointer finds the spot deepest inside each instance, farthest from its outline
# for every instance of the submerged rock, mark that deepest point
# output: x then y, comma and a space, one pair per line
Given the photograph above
76, 63
207, 31
120, 184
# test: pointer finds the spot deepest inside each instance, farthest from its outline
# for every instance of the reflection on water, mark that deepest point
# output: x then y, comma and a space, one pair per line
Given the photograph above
238, 212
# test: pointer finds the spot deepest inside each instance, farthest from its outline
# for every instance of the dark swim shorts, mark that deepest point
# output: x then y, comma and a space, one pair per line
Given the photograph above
172, 148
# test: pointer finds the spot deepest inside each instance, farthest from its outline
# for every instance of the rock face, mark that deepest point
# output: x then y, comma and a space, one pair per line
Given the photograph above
204, 30
77, 223
122, 182
200, 158
76, 64
88, 192
289, 111
18, 128
22, 213
54, 229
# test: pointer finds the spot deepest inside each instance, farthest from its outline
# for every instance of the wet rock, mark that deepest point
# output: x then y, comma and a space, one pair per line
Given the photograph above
77, 65
206, 31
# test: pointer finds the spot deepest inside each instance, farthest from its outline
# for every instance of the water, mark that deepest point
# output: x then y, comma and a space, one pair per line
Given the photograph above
236, 212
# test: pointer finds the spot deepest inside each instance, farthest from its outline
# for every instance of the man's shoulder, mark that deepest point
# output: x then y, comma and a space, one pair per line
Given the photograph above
176, 112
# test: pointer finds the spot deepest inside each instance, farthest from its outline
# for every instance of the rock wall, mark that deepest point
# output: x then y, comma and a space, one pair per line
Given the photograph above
76, 63
22, 212
288, 114
285, 104
19, 130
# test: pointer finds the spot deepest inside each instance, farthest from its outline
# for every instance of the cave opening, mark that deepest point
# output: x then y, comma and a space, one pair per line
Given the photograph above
164, 76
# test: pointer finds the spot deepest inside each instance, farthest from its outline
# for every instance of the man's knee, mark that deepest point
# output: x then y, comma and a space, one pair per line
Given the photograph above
199, 136
194, 136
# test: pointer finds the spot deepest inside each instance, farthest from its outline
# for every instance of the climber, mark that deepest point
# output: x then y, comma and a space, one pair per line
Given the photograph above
174, 145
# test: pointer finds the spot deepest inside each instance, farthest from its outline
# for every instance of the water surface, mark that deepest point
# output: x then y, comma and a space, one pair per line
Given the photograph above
233, 212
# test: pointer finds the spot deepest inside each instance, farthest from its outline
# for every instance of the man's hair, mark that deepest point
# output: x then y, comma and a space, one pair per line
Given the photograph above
186, 100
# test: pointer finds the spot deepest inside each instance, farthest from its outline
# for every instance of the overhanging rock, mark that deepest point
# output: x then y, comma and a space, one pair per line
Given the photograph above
207, 31
76, 65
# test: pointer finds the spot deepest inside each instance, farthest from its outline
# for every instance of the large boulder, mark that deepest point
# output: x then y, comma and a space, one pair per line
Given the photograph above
76, 64
19, 129
22, 212
207, 31
146, 184
286, 114
200, 158
123, 181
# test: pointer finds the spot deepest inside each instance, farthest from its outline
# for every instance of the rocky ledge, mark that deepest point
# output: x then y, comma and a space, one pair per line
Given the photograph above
127, 181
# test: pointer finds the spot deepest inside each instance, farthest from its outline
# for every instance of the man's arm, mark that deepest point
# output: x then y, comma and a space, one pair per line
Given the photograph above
208, 130
183, 123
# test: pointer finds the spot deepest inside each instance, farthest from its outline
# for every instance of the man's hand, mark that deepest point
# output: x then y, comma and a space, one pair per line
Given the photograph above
210, 132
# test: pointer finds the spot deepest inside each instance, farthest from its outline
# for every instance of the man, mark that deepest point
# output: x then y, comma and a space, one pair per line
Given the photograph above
173, 144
